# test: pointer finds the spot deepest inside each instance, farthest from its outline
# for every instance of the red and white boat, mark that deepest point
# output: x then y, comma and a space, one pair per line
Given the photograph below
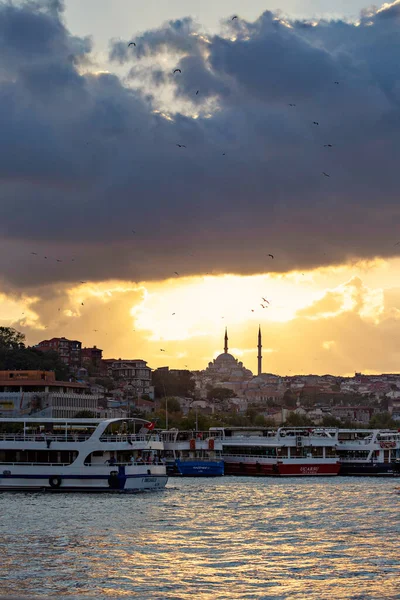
286, 451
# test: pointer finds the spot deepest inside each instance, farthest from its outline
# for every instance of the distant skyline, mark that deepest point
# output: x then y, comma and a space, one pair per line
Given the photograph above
158, 206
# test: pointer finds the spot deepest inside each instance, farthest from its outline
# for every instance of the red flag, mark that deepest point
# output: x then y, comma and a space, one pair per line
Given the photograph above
150, 426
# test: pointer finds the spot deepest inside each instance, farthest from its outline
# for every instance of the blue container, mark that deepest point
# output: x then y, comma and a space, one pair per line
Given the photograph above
200, 468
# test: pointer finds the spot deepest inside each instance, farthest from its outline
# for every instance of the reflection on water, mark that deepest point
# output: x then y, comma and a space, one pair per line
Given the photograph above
216, 538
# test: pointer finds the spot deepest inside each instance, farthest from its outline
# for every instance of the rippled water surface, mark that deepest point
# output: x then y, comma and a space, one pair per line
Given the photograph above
207, 539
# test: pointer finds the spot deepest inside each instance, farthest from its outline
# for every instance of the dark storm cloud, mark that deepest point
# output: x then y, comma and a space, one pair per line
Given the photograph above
91, 173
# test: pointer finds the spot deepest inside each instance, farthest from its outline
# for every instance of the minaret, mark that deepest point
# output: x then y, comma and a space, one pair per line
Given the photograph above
226, 341
259, 357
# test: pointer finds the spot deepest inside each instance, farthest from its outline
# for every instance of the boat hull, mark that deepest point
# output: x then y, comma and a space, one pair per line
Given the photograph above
280, 469
78, 479
370, 469
200, 468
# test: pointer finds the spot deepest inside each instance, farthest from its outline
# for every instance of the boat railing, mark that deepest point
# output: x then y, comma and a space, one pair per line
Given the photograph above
129, 438
278, 456
125, 464
199, 459
34, 464
364, 442
20, 437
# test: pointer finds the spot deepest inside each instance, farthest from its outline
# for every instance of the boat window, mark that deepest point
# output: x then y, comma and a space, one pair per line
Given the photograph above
250, 450
330, 452
316, 451
64, 457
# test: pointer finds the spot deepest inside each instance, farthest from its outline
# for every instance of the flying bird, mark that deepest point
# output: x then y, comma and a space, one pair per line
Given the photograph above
181, 146
327, 145
45, 257
83, 281
235, 17
161, 350
58, 260
95, 329
252, 310
177, 71
315, 123
337, 83
265, 300
197, 92
176, 273
133, 231
326, 174
34, 253
224, 154
82, 304
131, 44
292, 105
271, 255
173, 314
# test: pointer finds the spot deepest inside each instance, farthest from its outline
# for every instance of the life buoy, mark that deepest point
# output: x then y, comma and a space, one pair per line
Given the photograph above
211, 444
55, 482
193, 444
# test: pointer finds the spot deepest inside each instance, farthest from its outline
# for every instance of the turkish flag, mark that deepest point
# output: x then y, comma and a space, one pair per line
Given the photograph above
150, 426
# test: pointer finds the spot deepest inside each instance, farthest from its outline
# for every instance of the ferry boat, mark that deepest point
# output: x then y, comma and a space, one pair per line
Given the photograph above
369, 452
283, 452
119, 455
193, 454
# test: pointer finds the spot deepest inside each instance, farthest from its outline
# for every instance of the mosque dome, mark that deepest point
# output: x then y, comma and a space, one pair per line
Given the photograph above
225, 358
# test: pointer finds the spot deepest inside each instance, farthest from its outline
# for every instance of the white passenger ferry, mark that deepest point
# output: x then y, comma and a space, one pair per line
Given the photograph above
369, 452
286, 451
80, 455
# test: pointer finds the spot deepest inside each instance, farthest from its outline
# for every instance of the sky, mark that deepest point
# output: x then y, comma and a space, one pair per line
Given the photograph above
140, 206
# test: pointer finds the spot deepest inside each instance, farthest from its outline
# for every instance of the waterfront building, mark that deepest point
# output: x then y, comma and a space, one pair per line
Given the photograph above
39, 394
132, 373
92, 358
70, 351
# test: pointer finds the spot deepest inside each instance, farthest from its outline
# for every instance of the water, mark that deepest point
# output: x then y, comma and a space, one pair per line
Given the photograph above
207, 539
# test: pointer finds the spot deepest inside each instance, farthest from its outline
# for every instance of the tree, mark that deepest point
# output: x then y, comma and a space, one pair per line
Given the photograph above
106, 382
383, 421
85, 414
173, 384
330, 421
188, 423
295, 420
171, 404
11, 339
14, 356
289, 399
220, 394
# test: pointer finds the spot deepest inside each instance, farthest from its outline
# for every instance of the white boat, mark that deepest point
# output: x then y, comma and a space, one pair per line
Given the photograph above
286, 451
119, 455
369, 452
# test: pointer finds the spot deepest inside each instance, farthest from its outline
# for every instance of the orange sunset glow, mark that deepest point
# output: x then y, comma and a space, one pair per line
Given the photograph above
337, 320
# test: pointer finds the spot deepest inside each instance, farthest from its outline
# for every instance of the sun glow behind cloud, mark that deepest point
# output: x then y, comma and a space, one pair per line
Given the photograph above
316, 321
